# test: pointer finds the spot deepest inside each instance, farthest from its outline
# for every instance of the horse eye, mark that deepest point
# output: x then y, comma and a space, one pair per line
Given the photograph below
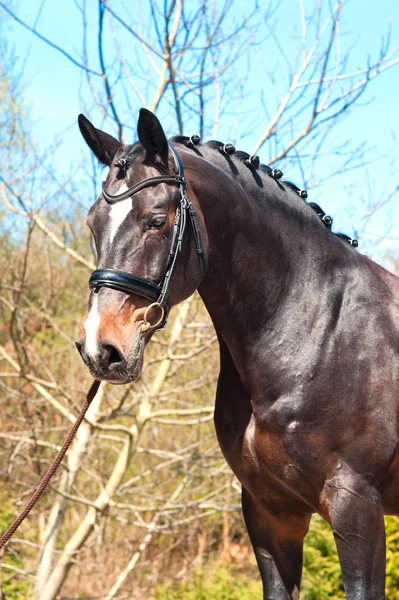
157, 222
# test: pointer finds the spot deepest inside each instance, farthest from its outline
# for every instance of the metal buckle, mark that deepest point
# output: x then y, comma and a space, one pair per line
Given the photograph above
147, 324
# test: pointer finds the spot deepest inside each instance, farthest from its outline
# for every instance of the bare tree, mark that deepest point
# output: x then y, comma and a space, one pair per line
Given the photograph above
145, 476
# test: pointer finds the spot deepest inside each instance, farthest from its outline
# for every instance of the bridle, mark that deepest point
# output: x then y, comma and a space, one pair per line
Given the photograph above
133, 284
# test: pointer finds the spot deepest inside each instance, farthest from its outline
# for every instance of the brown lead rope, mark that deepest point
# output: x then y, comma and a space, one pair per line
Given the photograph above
10, 532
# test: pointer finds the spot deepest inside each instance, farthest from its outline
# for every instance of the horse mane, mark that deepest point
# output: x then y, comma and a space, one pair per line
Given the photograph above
244, 157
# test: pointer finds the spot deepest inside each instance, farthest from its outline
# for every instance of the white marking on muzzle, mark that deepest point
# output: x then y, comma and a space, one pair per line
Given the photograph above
91, 328
118, 213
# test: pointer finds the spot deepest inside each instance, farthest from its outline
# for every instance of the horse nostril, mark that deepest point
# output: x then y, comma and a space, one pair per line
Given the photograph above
104, 356
111, 355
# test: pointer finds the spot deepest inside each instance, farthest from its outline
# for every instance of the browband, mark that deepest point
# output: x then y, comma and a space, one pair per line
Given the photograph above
140, 186
177, 178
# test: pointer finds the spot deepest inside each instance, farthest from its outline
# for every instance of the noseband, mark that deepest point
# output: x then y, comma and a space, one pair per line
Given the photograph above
133, 284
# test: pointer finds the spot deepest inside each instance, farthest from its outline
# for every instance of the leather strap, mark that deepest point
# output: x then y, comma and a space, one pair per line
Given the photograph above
140, 186
124, 282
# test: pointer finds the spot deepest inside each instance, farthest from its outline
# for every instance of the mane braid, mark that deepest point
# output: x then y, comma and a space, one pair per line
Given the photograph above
243, 156
265, 169
214, 144
179, 139
292, 186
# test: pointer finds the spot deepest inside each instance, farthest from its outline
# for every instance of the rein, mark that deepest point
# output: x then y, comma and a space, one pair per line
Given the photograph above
40, 490
133, 284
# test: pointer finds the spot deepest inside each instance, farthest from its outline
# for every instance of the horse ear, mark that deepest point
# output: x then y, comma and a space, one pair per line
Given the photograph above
103, 145
152, 136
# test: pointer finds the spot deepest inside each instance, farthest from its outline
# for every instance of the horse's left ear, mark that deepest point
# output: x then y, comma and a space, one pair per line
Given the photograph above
103, 145
152, 137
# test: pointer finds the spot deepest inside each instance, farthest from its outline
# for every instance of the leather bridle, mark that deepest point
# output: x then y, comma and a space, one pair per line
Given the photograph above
133, 284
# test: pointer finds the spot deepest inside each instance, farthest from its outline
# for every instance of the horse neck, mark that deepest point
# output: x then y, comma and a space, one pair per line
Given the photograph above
266, 252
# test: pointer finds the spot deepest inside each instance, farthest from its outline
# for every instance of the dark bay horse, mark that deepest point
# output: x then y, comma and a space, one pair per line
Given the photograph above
307, 400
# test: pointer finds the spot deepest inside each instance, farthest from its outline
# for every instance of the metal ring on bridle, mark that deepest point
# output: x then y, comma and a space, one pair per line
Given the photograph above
147, 324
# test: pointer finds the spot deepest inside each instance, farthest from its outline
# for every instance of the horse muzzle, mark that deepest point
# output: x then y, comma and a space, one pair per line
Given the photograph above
109, 362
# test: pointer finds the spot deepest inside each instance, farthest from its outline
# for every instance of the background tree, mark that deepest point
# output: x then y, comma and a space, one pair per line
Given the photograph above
145, 495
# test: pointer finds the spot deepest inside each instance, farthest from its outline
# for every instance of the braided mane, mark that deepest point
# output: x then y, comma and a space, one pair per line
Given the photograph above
252, 162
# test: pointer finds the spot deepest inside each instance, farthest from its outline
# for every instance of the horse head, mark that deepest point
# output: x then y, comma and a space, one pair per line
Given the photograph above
146, 264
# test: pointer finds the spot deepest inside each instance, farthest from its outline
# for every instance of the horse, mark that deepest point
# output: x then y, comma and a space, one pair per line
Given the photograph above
306, 410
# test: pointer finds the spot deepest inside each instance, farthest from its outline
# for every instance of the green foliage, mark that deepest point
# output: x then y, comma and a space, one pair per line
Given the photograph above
321, 579
321, 574
220, 583
13, 586
392, 533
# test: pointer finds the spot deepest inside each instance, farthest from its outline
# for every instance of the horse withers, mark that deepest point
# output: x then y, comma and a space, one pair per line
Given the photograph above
307, 399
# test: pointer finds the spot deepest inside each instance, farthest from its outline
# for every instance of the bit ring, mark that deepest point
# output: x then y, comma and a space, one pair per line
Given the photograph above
147, 324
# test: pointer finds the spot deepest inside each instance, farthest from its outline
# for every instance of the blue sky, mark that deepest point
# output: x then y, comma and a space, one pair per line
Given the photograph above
55, 95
